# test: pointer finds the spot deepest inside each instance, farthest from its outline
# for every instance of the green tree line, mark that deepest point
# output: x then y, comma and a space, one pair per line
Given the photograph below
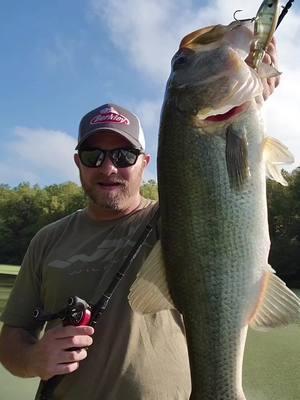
24, 209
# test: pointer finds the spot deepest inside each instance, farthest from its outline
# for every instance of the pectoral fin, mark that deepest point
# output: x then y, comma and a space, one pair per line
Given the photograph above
149, 293
278, 305
237, 157
275, 155
267, 71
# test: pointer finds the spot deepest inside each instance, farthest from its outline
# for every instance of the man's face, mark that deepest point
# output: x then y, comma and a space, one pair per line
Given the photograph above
107, 186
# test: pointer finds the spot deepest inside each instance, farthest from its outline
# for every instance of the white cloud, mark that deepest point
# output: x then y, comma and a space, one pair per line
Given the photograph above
147, 32
62, 54
11, 173
39, 155
43, 156
149, 113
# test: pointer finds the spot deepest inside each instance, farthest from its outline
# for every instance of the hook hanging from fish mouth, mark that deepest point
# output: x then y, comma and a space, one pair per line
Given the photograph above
242, 20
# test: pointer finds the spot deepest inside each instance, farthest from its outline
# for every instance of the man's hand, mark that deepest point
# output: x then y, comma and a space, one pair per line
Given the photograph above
270, 58
50, 355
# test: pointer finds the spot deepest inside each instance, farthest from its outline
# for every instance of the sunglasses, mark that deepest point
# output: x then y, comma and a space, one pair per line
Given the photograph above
121, 158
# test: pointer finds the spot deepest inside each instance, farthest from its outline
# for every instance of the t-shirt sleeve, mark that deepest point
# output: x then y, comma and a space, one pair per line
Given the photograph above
25, 295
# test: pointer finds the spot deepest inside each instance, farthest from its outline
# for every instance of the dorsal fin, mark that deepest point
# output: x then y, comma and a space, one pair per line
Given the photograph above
193, 37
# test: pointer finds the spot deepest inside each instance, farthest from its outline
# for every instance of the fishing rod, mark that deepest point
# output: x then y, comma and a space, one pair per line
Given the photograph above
284, 11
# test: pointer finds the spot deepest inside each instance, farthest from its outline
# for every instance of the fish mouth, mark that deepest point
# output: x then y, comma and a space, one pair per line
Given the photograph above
233, 112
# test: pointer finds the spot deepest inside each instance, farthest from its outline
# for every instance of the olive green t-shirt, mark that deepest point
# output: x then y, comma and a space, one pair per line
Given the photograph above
133, 357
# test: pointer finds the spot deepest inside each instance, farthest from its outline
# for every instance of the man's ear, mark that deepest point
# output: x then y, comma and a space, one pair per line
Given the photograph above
76, 160
147, 159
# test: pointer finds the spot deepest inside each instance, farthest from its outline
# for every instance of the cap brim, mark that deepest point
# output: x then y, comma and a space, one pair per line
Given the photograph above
105, 129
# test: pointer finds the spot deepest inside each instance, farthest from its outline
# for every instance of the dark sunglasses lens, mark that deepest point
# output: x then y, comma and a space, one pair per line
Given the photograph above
123, 158
91, 157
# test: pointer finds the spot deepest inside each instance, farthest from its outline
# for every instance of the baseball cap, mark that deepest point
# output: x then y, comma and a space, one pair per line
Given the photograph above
111, 117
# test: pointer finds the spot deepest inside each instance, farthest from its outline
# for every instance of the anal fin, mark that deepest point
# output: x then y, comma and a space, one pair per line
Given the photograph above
149, 292
279, 306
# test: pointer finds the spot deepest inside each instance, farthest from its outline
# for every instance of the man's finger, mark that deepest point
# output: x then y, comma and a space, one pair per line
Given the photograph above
62, 369
69, 356
75, 341
70, 330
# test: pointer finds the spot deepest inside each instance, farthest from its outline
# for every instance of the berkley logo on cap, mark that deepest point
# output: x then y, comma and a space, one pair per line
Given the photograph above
109, 115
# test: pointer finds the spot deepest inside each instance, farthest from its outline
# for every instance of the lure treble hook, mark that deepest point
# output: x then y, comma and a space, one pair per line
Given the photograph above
242, 20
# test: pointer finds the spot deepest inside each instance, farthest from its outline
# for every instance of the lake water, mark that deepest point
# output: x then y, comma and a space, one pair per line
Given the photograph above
271, 365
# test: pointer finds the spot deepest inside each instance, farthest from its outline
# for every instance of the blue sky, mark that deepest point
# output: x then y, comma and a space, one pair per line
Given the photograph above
61, 58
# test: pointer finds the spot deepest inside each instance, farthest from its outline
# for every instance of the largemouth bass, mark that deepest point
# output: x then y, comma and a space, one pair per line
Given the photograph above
212, 260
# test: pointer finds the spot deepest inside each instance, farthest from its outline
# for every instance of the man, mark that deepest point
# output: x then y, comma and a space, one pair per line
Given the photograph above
128, 356
132, 356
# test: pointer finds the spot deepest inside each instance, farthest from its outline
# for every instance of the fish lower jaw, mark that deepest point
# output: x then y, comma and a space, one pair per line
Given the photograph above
231, 114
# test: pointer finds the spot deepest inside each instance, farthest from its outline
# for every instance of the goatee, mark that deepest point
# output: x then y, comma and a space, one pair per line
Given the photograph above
107, 201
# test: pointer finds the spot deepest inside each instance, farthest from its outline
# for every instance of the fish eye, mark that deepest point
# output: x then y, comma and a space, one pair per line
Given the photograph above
178, 62
181, 60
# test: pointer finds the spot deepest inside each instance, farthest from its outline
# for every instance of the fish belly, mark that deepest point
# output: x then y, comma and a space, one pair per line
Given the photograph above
215, 244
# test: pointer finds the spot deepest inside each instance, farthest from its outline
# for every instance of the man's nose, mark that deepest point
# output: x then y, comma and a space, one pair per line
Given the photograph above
108, 167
